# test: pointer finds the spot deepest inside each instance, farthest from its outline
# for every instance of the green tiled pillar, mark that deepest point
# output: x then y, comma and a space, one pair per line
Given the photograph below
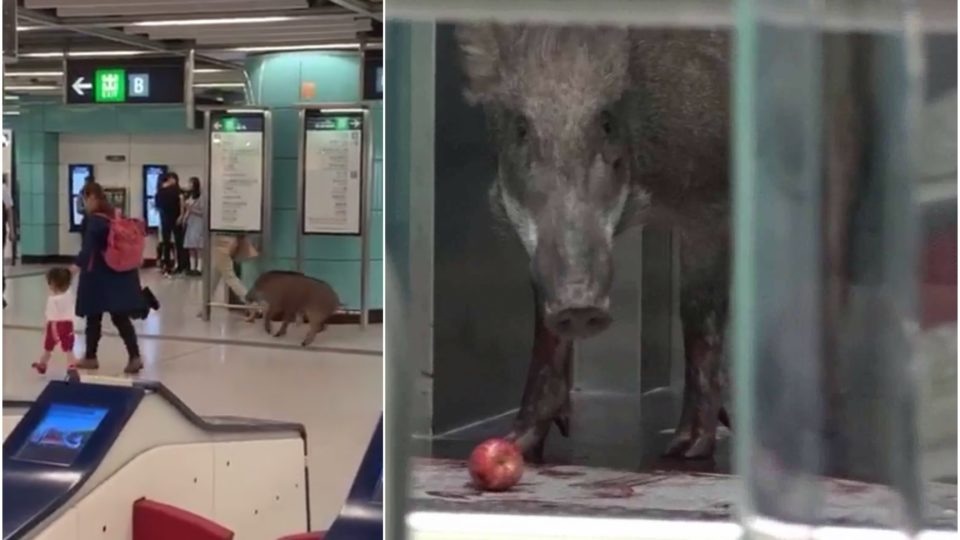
277, 80
36, 154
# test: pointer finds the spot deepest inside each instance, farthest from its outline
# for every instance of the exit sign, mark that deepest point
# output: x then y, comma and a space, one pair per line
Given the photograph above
126, 80
110, 86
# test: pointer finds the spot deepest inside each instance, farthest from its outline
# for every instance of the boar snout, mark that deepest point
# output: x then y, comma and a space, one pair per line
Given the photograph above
573, 278
578, 322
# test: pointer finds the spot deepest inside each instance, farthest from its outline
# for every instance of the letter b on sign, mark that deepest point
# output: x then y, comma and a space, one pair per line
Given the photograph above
139, 86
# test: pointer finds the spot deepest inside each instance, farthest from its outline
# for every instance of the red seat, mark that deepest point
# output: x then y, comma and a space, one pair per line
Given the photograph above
305, 536
158, 521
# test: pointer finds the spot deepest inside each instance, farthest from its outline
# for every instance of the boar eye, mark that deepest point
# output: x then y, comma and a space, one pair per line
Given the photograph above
606, 122
521, 128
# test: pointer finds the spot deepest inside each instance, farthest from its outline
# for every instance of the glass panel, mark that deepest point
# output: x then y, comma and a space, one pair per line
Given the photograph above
825, 311
778, 287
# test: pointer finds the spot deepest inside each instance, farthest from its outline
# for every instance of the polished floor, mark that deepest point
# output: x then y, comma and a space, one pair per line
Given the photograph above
229, 367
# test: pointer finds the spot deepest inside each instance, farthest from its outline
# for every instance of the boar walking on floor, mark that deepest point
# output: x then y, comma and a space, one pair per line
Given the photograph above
285, 295
600, 129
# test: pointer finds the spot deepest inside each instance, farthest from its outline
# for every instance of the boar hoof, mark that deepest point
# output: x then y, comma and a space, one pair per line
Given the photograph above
702, 448
280, 333
678, 445
687, 446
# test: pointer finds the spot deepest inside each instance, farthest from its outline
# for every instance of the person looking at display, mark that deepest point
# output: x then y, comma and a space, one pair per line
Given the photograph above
169, 205
194, 225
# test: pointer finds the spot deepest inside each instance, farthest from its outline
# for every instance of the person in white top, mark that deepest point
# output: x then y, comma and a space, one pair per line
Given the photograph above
60, 309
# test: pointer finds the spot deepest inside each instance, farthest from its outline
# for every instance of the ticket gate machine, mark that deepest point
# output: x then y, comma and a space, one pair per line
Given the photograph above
362, 515
82, 448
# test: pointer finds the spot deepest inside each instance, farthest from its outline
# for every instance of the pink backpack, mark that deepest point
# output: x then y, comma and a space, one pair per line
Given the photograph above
125, 243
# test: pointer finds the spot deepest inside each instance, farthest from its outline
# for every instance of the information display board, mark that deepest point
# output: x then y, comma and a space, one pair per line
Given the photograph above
236, 172
125, 80
77, 175
333, 172
61, 434
151, 182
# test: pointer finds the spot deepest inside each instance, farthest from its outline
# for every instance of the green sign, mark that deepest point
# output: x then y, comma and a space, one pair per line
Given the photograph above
229, 124
335, 123
110, 85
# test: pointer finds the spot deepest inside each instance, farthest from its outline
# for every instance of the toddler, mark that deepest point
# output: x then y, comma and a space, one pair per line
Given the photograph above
60, 309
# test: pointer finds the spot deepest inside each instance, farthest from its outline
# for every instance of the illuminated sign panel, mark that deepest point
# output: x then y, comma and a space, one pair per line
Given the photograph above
125, 80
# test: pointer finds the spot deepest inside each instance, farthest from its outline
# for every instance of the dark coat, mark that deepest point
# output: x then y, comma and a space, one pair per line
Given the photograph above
100, 288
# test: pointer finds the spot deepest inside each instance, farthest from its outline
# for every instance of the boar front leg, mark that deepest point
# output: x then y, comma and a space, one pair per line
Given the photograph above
546, 396
696, 433
272, 311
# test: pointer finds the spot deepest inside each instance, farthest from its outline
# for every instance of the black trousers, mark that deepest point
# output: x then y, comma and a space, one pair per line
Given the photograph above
183, 258
124, 326
167, 227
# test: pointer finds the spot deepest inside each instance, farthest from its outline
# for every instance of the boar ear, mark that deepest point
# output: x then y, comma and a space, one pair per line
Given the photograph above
480, 50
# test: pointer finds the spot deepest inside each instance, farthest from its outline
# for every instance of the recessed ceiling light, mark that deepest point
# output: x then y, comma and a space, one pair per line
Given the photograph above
219, 85
27, 88
28, 28
11, 97
199, 22
298, 47
11, 113
51, 54
34, 74
80, 54
208, 70
77, 54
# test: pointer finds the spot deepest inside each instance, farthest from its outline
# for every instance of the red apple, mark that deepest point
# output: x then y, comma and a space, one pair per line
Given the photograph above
496, 465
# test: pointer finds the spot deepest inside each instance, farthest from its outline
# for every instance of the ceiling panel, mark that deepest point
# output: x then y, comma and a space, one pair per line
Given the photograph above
275, 39
309, 23
156, 6
232, 7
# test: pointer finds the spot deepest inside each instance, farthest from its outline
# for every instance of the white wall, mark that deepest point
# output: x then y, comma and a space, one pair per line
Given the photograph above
182, 153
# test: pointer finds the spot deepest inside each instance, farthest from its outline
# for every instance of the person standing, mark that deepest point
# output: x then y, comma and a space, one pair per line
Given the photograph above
8, 227
194, 225
103, 290
228, 249
179, 234
169, 204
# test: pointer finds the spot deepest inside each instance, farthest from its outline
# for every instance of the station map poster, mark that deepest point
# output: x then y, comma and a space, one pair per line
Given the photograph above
333, 173
77, 175
151, 181
236, 172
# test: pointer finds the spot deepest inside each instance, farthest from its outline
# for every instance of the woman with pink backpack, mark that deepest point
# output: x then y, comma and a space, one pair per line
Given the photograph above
109, 282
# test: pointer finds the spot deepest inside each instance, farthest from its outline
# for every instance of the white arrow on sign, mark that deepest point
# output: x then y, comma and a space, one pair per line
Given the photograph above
355, 123
79, 86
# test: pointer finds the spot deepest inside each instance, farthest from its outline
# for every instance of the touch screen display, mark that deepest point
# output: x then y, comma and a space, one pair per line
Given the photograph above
61, 434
